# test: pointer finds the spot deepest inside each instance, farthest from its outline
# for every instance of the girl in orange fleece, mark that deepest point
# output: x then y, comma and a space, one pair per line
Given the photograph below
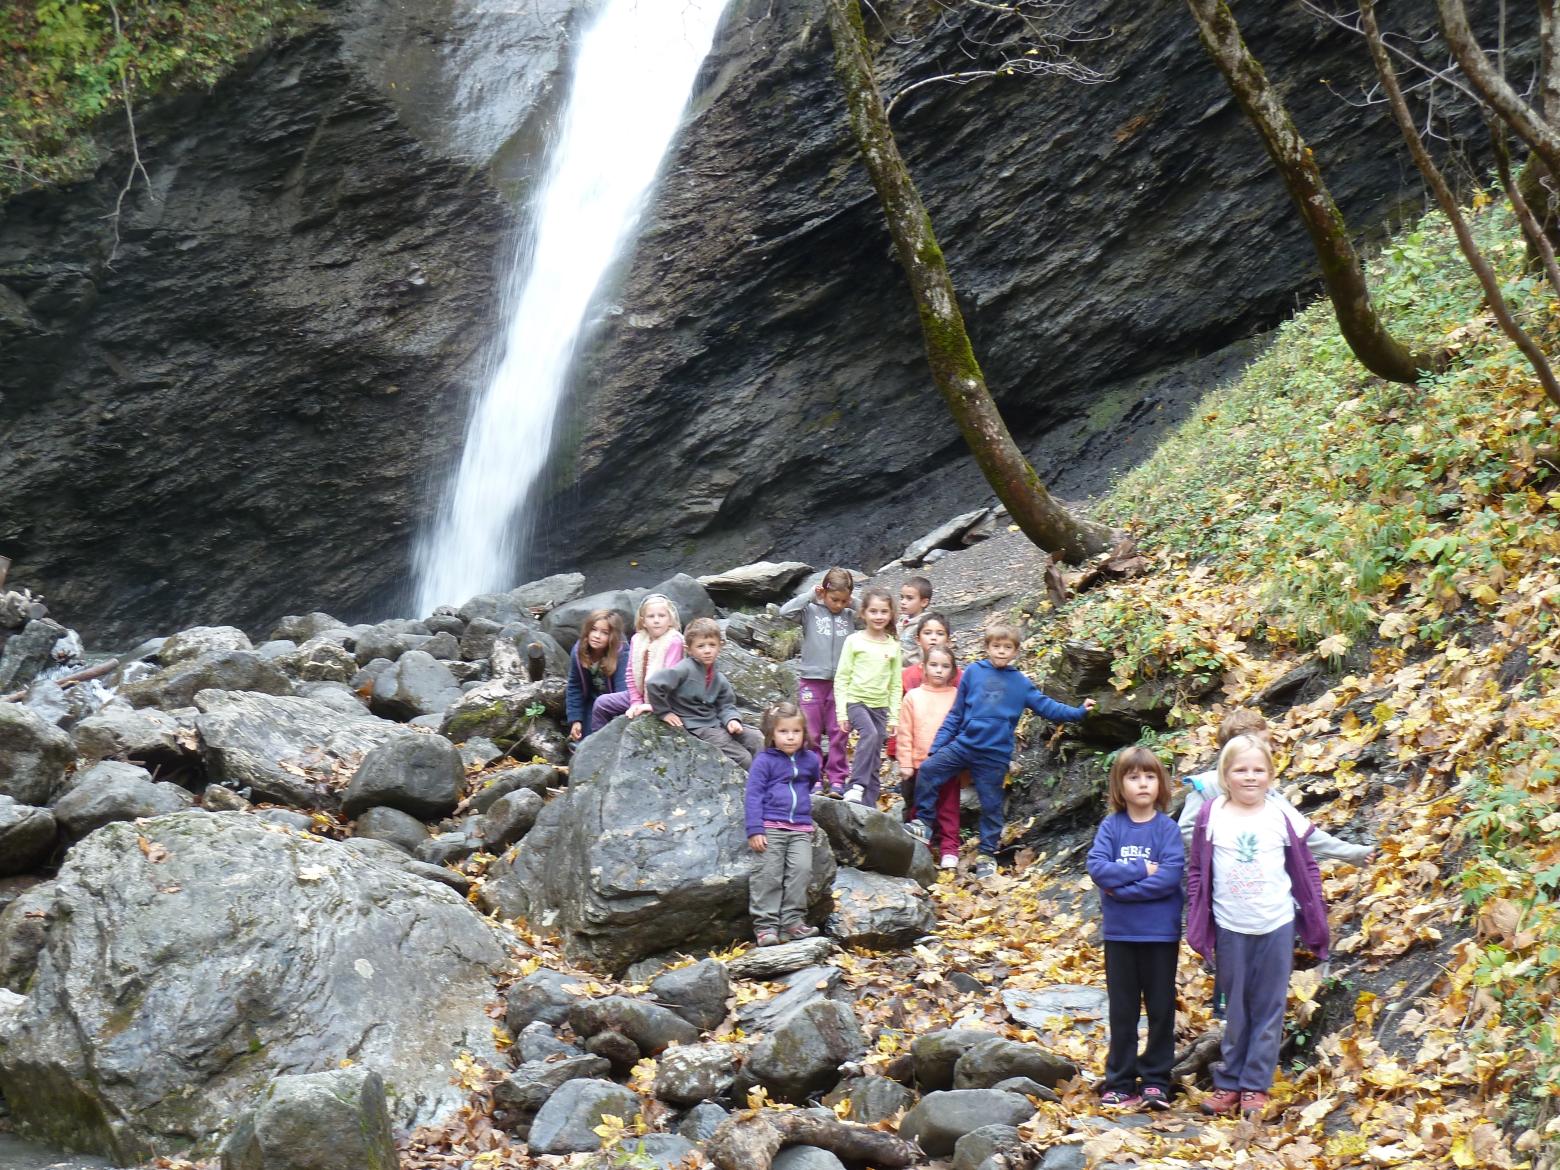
920, 716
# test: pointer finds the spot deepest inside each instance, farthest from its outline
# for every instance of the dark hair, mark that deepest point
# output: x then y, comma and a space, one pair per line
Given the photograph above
1137, 759
838, 580
945, 648
609, 657
932, 615
876, 594
700, 628
775, 715
922, 585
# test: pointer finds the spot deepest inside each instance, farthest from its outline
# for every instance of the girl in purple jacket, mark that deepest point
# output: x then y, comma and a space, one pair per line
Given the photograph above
1252, 888
780, 827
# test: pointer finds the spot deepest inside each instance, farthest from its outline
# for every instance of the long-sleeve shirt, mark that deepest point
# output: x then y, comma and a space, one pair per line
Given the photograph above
699, 697
585, 686
1204, 786
988, 706
921, 716
779, 788
1138, 906
868, 673
823, 637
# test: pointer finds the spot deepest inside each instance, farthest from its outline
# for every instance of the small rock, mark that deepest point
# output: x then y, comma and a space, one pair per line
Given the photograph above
804, 1054
477, 640
872, 1099
110, 791
448, 848
1067, 1156
1060, 1006
444, 646
537, 1042
387, 854
334, 1120
1027, 1087
864, 838
972, 1150
940, 1119
944, 536
652, 1027
663, 1151
392, 826
701, 1122
691, 1073
508, 819
936, 1053
997, 1059
320, 660
478, 751
544, 995
877, 912
621, 1052
527, 1089
26, 836
771, 962
301, 628
418, 774
385, 640
806, 1158
417, 684
697, 993
537, 778
803, 987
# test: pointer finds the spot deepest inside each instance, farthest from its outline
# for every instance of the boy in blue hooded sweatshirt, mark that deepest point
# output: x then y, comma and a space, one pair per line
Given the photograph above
977, 736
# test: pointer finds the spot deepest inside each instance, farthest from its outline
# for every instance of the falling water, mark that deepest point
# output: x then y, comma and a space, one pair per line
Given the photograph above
635, 69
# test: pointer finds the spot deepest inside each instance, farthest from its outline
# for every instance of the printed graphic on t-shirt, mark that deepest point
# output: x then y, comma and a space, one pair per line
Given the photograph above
806, 693
1135, 853
992, 694
1246, 877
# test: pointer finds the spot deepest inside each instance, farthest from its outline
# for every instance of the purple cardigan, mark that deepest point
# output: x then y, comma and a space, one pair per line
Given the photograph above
1305, 882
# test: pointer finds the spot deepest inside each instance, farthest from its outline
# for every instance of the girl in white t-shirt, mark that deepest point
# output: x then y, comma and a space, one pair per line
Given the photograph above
1252, 888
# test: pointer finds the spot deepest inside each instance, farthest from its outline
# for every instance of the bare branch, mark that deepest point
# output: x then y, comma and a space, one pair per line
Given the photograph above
136, 166
1496, 91
1531, 229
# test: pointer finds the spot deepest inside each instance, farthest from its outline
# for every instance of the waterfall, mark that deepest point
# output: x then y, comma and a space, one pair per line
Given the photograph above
631, 82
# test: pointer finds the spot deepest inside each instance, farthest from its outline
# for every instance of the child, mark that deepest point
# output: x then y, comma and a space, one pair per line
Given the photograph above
1137, 861
657, 644
596, 668
780, 827
1252, 886
978, 736
826, 623
915, 598
933, 631
696, 697
866, 691
921, 715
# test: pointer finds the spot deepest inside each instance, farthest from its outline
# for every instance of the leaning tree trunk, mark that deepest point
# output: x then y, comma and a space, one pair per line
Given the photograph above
955, 371
1380, 352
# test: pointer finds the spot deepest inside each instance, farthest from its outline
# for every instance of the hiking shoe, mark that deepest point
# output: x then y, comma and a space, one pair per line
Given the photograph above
819, 788
1220, 1102
799, 930
766, 938
1154, 1098
1117, 1099
949, 861
1253, 1104
836, 790
917, 830
854, 794
985, 868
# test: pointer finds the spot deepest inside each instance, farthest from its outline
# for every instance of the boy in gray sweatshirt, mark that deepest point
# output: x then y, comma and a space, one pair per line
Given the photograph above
696, 697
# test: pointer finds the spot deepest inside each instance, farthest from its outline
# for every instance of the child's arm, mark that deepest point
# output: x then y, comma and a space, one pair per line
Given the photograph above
658, 691
574, 696
842, 680
754, 805
953, 722
896, 671
726, 702
620, 675
1108, 873
1166, 878
1323, 845
904, 746
1048, 708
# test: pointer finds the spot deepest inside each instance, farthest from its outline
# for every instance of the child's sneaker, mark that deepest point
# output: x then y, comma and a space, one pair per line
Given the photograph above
1155, 1098
985, 868
1253, 1104
819, 788
949, 861
766, 938
854, 794
917, 830
799, 930
836, 790
1117, 1099
1220, 1102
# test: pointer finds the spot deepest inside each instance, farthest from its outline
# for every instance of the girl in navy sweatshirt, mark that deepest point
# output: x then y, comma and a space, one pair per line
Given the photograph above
780, 827
1136, 861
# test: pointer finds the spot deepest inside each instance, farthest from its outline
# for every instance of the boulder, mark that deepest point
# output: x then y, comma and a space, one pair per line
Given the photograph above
947, 535
1066, 1156
688, 595
301, 628
198, 640
760, 682
391, 826
277, 651
418, 774
387, 640
110, 791
939, 1120
872, 1099
696, 1072
508, 819
477, 639
998, 1059
195, 955
416, 684
546, 593
865, 838
477, 752
567, 1123
319, 660
537, 1041
545, 995
164, 740
644, 852
617, 1049
661, 1151
700, 1123
29, 653
510, 652
563, 622
1027, 1087
218, 670
537, 778
334, 1120
444, 646
972, 1151
877, 912
650, 1026
798, 989
937, 1053
24, 928
448, 848
524, 1091
697, 993
503, 709
542, 740
757, 583
805, 1158
26, 836
33, 755
803, 1055
284, 749
768, 634
1059, 1006
384, 853
764, 963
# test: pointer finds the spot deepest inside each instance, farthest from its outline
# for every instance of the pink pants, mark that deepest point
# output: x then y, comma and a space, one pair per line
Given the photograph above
817, 703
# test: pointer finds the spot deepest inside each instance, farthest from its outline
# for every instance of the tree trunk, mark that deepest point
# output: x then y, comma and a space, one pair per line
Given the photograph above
1378, 350
1448, 202
1496, 91
955, 371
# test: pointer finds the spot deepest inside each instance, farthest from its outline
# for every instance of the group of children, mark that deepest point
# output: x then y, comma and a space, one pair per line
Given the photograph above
1252, 890
1246, 856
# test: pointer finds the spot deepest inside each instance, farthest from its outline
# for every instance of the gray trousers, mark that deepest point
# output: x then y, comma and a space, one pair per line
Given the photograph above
871, 727
777, 890
1255, 971
739, 749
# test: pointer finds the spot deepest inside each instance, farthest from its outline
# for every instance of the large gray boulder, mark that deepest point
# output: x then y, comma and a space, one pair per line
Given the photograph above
26, 836
27, 654
688, 595
865, 838
696, 1072
645, 852
198, 640
877, 912
288, 750
936, 1054
335, 1120
194, 956
992, 1061
939, 1120
418, 774
651, 1027
33, 755
760, 682
319, 660
145, 736
756, 583
803, 1055
24, 928
697, 993
417, 684
111, 791
220, 670
563, 622
503, 709
567, 1123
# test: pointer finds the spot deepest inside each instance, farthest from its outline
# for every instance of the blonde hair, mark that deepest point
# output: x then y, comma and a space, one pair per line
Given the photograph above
1137, 759
1242, 721
671, 608
1239, 746
1003, 632
701, 628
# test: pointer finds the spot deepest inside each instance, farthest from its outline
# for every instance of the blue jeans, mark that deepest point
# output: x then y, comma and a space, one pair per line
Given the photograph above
986, 771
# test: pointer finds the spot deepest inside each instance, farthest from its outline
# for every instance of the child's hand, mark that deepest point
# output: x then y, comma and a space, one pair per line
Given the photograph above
1089, 704
902, 771
845, 726
637, 709
758, 843
1153, 867
575, 732
734, 727
891, 731
672, 719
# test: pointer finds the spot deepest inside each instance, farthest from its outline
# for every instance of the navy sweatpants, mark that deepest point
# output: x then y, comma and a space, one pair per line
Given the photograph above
986, 771
1255, 972
1140, 977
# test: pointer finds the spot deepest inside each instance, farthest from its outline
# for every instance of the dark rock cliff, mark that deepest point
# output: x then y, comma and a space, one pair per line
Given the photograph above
248, 412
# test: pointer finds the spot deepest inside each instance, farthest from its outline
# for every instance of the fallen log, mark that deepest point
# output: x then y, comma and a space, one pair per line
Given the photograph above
750, 1141
90, 672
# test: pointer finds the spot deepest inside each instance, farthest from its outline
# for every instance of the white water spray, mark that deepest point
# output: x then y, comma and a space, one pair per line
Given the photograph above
632, 79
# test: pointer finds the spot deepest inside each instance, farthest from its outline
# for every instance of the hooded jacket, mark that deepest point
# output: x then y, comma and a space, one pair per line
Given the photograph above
988, 705
779, 788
